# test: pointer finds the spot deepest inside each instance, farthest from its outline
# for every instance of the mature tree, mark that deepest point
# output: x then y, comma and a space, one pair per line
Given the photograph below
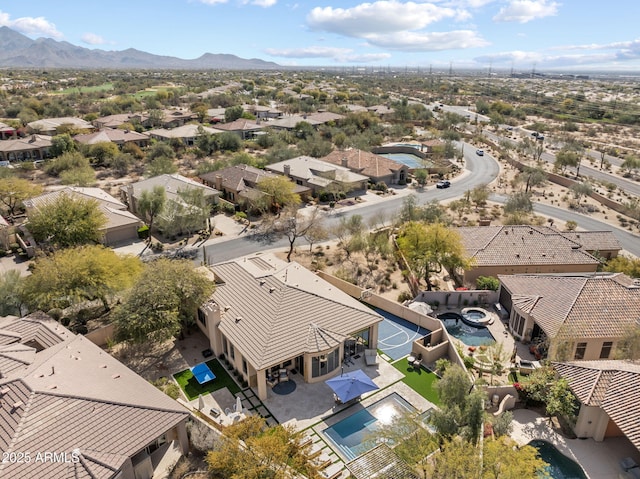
228, 141
160, 166
61, 144
316, 234
534, 176
13, 191
630, 165
280, 191
518, 202
291, 223
121, 163
350, 234
233, 113
102, 152
566, 157
151, 203
581, 189
503, 424
421, 176
266, 453
159, 149
206, 143
479, 195
75, 275
67, 221
629, 346
624, 264
11, 283
559, 400
456, 459
429, 248
189, 215
163, 300
490, 283
502, 458
82, 176
67, 161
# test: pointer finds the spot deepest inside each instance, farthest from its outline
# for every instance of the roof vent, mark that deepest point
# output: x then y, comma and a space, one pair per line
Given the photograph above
238, 319
262, 282
227, 308
575, 246
115, 376
272, 289
17, 404
103, 366
4, 391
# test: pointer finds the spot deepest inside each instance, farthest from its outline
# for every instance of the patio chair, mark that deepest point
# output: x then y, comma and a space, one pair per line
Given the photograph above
332, 471
416, 364
370, 357
283, 375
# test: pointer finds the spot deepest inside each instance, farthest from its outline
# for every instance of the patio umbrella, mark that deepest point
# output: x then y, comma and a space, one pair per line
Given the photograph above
238, 404
200, 402
350, 385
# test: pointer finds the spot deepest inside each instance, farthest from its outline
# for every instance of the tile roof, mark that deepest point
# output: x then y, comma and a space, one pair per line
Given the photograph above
588, 305
47, 124
240, 125
380, 462
36, 327
594, 240
611, 385
30, 142
74, 396
171, 183
110, 135
316, 171
285, 310
521, 245
238, 177
185, 131
364, 162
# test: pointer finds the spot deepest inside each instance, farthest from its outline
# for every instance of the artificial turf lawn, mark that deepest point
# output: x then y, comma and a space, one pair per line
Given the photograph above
420, 380
192, 388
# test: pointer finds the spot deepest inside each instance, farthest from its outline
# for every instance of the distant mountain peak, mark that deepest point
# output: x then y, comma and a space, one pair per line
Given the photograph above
20, 51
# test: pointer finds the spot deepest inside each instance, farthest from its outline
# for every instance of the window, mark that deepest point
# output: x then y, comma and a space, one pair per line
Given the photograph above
580, 350
202, 317
232, 351
225, 347
325, 363
606, 349
244, 366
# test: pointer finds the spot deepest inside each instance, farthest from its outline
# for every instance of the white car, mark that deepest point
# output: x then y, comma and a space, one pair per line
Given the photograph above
480, 152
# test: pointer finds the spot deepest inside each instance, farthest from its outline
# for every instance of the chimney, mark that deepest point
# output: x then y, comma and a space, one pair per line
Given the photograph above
217, 182
287, 170
344, 162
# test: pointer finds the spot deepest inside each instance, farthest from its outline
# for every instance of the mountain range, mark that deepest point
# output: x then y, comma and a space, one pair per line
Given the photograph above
20, 51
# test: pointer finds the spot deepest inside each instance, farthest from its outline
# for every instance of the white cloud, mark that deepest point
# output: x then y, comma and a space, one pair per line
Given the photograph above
260, 3
428, 42
378, 18
213, 2
523, 11
338, 55
92, 39
30, 25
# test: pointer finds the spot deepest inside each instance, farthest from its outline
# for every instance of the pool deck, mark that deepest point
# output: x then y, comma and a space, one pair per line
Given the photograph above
599, 460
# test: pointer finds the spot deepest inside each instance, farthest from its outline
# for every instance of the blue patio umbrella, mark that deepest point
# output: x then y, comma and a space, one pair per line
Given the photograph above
350, 385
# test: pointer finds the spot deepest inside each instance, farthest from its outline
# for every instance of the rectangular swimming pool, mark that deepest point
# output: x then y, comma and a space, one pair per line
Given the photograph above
352, 435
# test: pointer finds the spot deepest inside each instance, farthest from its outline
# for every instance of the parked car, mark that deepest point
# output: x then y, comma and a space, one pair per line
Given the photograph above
443, 184
480, 152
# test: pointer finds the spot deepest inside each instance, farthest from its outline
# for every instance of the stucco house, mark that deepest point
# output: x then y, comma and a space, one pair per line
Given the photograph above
320, 176
243, 128
121, 226
30, 148
49, 126
239, 184
62, 394
113, 135
579, 316
6, 131
266, 315
377, 168
114, 121
522, 249
188, 134
609, 395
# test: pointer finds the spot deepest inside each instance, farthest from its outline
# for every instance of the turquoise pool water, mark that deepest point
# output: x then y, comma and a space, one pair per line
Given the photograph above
351, 436
560, 466
469, 335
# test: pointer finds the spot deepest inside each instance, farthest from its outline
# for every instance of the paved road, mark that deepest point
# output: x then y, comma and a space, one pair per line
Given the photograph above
628, 240
481, 170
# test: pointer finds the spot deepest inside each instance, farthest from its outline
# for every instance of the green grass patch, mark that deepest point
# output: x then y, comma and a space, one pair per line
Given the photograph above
420, 380
87, 89
192, 389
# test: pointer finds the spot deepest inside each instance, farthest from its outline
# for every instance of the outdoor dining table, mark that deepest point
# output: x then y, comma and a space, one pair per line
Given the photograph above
411, 359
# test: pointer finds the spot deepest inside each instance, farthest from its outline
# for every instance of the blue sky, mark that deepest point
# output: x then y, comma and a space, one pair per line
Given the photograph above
523, 34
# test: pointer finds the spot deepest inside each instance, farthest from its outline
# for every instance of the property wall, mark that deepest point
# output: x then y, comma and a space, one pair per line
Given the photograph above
456, 299
100, 336
591, 422
121, 234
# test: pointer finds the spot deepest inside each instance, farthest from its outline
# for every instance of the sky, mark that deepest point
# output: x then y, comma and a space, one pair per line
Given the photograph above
545, 35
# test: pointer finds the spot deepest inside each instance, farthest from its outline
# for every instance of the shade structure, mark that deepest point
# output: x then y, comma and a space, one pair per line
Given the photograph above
202, 373
350, 385
238, 404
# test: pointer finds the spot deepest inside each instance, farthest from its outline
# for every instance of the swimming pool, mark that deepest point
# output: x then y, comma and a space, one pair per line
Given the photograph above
560, 466
469, 335
352, 435
412, 161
